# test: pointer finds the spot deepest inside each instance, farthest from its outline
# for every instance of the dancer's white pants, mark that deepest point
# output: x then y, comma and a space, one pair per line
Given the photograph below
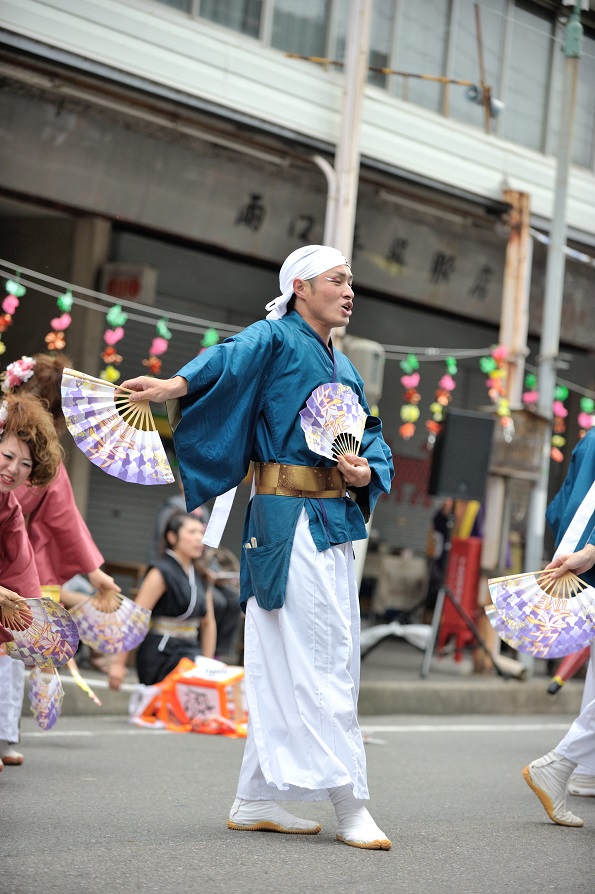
12, 691
578, 745
302, 680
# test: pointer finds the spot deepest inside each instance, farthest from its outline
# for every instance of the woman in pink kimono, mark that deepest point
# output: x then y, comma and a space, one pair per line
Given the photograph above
29, 451
61, 540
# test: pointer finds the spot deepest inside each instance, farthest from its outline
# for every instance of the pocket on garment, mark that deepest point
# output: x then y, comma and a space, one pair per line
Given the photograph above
269, 567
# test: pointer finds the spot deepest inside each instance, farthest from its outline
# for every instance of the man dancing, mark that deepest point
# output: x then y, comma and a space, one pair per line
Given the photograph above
570, 767
240, 402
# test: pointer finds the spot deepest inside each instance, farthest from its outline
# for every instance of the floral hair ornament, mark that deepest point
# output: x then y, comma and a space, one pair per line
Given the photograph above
3, 415
17, 372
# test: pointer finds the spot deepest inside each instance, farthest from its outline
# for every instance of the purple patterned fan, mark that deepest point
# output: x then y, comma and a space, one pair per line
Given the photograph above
557, 615
45, 696
51, 638
509, 636
333, 421
115, 434
111, 624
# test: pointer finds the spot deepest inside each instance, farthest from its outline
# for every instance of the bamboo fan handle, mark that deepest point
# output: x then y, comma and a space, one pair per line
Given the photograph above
563, 587
107, 601
88, 378
16, 618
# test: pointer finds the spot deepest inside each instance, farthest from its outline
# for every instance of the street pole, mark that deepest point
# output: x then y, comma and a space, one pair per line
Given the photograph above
554, 290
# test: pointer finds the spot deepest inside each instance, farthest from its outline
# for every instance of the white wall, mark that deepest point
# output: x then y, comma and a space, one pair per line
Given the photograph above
151, 41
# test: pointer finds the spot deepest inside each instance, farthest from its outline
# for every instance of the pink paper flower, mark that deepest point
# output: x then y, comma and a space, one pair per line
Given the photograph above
559, 409
585, 420
159, 346
411, 381
448, 383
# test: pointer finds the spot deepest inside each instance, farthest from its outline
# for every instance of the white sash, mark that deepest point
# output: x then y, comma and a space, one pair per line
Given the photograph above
576, 528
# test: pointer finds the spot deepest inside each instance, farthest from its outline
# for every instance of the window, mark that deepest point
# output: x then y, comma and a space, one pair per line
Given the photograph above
239, 15
183, 5
527, 91
422, 36
466, 56
381, 37
300, 27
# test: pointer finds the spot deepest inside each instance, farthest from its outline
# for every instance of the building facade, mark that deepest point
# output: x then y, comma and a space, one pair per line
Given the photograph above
181, 136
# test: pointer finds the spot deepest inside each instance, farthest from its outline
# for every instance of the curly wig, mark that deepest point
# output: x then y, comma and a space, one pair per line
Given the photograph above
28, 421
45, 383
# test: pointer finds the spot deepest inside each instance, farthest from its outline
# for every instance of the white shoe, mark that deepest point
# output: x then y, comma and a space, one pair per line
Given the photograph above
582, 784
548, 777
268, 816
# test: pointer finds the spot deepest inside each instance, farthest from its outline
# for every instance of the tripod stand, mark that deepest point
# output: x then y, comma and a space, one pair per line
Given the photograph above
446, 593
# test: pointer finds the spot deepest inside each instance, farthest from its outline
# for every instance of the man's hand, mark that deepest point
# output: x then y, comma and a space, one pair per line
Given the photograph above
577, 562
157, 390
355, 470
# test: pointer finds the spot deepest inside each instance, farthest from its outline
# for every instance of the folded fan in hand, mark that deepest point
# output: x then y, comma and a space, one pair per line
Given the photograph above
111, 624
116, 434
333, 421
555, 614
50, 639
45, 696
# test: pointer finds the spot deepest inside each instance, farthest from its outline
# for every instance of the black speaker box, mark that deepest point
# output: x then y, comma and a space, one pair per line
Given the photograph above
461, 456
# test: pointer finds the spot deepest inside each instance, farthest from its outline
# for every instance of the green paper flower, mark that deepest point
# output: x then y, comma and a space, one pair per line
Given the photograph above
162, 329
211, 337
587, 405
561, 392
487, 364
115, 316
451, 366
530, 382
15, 288
64, 302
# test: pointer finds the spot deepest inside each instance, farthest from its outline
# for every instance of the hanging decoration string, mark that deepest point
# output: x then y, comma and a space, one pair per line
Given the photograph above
411, 396
442, 398
15, 291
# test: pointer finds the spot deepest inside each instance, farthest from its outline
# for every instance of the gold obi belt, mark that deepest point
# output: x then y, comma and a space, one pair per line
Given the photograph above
186, 630
312, 482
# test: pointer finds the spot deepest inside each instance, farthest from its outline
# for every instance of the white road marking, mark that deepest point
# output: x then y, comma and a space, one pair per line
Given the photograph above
367, 729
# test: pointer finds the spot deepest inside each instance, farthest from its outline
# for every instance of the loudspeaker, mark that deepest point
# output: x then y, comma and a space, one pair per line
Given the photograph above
461, 456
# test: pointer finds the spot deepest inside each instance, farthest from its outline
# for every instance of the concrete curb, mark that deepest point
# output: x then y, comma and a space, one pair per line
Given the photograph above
463, 695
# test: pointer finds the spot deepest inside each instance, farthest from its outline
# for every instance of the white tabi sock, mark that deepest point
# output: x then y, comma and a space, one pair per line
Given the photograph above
548, 777
9, 755
356, 826
268, 816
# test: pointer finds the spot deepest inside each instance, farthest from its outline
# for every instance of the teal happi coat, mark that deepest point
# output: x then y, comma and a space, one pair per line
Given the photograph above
578, 481
243, 403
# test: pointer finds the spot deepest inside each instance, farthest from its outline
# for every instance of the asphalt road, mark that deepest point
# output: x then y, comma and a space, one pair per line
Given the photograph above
103, 807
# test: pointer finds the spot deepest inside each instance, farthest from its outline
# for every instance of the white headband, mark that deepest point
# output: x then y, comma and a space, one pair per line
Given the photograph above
303, 263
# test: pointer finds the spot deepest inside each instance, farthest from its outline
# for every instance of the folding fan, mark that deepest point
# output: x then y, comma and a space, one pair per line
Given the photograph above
116, 434
333, 420
45, 696
555, 614
509, 636
111, 624
50, 638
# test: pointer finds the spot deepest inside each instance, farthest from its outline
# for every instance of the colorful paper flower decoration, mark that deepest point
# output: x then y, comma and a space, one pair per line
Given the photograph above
56, 339
442, 398
411, 396
559, 423
159, 346
495, 368
15, 291
115, 318
586, 417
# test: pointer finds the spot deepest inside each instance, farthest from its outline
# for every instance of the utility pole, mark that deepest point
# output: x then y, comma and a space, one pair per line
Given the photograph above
554, 288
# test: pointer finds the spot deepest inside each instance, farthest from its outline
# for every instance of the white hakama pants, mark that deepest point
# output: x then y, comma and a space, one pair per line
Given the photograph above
578, 745
12, 692
302, 681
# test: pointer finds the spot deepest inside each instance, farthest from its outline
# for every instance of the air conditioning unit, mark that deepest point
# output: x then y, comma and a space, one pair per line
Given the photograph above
369, 359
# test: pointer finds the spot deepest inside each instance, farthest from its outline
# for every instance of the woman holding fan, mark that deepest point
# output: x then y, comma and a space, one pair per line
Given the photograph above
29, 451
